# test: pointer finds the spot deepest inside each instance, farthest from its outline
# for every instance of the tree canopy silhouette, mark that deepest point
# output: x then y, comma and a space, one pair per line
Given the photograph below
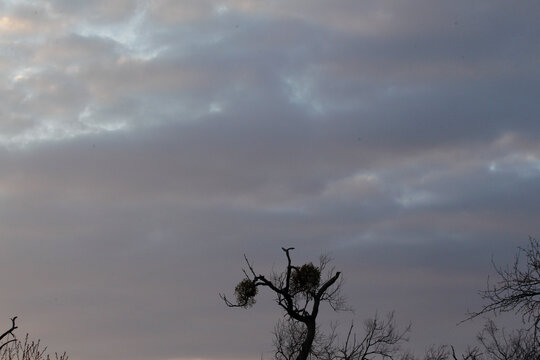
299, 292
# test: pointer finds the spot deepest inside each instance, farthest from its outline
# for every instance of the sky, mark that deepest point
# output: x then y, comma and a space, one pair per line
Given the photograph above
145, 146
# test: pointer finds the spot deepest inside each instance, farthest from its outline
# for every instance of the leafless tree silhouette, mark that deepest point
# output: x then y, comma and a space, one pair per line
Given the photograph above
516, 345
381, 339
299, 292
517, 289
446, 352
28, 350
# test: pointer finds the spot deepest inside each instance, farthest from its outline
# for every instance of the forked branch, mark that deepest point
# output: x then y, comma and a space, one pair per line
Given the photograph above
9, 332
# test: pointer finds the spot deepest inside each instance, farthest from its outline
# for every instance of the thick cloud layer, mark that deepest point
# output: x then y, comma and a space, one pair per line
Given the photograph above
147, 145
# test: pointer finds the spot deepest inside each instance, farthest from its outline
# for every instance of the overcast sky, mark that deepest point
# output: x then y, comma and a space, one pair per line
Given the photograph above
145, 146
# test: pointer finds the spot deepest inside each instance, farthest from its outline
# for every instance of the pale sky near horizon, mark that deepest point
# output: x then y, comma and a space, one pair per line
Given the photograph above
145, 146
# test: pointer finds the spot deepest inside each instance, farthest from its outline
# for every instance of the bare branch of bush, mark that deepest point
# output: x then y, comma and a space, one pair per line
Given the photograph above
28, 350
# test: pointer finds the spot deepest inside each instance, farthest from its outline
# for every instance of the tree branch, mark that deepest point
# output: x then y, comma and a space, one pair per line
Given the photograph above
9, 332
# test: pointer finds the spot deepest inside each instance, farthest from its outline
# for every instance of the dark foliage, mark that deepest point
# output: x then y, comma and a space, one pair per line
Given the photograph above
245, 293
306, 279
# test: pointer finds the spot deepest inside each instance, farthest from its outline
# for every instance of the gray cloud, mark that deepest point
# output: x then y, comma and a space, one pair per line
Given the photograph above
147, 146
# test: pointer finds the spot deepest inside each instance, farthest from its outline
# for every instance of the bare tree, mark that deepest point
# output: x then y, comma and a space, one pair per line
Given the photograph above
500, 345
299, 292
447, 352
288, 338
517, 289
289, 335
381, 340
438, 353
9, 333
494, 344
28, 350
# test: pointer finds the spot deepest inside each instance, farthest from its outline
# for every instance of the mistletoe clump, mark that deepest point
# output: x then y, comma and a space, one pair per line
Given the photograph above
245, 293
306, 278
